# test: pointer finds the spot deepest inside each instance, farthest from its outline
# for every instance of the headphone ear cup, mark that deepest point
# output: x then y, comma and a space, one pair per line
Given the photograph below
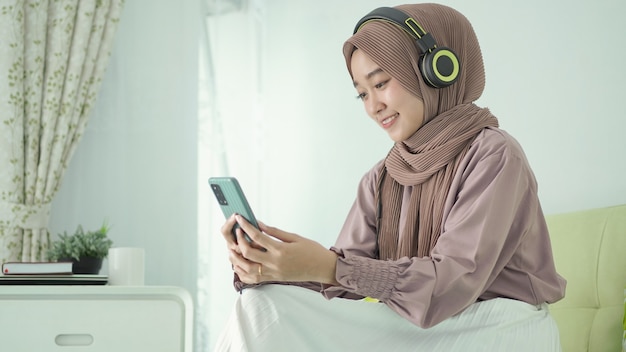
440, 67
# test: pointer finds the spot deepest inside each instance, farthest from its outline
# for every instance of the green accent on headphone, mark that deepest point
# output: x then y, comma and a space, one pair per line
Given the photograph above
410, 22
455, 66
440, 66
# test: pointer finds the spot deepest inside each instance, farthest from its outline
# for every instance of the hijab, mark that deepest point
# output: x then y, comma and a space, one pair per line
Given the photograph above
428, 160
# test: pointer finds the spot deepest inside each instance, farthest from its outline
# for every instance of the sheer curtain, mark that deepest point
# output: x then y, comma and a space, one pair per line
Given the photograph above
229, 143
276, 104
52, 58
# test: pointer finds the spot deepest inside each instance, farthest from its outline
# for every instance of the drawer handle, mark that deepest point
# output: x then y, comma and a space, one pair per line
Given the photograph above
73, 340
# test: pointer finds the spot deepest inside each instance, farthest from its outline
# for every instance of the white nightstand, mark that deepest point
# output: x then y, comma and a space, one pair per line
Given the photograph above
95, 319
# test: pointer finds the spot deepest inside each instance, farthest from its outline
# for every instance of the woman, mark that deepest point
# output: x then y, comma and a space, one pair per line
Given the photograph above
446, 231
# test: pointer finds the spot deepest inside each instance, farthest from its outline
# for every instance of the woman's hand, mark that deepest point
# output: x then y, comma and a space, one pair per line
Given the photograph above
276, 255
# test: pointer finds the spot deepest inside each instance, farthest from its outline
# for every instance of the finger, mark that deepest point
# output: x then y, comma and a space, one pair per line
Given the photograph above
248, 271
250, 251
278, 233
227, 232
237, 260
258, 238
241, 265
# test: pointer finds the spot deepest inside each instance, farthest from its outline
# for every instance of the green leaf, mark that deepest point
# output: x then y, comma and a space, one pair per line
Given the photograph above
81, 244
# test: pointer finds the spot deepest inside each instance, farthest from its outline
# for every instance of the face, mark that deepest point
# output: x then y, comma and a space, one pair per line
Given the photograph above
386, 101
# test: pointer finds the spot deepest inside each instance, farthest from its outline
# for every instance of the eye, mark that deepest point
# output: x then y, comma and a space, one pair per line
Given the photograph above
361, 96
381, 84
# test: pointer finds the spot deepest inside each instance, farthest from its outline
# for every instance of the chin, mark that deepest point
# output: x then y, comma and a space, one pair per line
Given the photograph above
393, 139
397, 139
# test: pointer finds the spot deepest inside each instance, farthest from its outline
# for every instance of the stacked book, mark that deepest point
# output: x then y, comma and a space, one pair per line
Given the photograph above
46, 273
31, 268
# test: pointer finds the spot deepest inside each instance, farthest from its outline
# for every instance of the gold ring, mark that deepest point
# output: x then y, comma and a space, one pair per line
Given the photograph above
260, 269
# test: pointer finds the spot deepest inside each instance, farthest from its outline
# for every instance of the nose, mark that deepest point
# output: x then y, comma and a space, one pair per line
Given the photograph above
374, 105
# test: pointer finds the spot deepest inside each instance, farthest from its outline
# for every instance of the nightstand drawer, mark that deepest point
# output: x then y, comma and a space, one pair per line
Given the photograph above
95, 319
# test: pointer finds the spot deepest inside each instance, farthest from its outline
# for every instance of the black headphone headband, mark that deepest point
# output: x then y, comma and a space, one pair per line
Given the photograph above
425, 41
440, 66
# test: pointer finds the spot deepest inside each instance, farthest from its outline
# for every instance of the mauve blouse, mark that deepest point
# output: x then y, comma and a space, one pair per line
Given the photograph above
494, 242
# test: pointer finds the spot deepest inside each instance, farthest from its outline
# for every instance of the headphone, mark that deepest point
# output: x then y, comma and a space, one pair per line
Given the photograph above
439, 66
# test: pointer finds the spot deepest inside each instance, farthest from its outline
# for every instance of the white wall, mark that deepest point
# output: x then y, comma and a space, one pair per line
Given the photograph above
551, 80
136, 164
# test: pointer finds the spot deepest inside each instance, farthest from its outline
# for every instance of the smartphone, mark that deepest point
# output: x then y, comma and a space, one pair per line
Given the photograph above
231, 199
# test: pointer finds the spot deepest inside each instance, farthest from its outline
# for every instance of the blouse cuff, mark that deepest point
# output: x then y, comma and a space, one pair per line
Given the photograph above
365, 276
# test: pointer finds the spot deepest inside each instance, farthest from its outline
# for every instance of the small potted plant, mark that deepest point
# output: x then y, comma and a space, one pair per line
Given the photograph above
86, 250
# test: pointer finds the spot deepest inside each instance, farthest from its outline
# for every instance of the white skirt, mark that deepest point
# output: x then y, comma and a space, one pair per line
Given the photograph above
275, 318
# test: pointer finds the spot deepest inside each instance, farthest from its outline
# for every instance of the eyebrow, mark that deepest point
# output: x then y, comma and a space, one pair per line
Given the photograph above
369, 75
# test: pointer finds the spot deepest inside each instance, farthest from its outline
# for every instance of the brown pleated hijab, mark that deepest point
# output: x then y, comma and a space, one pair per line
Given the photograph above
429, 159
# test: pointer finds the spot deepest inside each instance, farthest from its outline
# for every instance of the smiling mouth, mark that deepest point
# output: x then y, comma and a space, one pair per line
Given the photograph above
388, 120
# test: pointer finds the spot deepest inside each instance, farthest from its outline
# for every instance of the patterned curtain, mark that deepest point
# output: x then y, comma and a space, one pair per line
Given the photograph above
53, 54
